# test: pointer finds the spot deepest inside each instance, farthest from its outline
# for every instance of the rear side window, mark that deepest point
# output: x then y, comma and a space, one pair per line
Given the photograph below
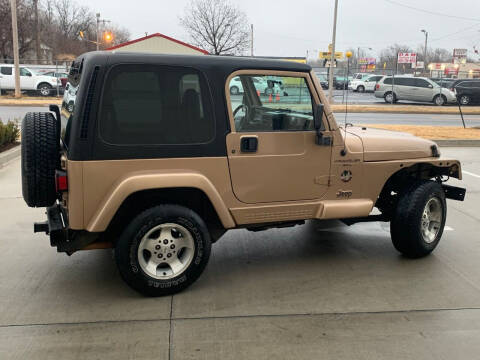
422, 83
155, 105
6, 70
388, 81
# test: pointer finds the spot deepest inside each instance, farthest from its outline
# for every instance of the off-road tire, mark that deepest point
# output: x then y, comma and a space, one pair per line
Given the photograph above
127, 247
394, 97
40, 158
405, 227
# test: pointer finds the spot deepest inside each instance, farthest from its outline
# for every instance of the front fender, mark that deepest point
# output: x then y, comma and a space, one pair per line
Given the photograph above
139, 181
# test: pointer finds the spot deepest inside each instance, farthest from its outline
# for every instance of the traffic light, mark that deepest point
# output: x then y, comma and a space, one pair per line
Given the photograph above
107, 36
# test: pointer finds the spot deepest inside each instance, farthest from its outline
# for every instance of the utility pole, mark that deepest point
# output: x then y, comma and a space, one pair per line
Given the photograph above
251, 40
37, 31
98, 22
425, 50
13, 5
332, 55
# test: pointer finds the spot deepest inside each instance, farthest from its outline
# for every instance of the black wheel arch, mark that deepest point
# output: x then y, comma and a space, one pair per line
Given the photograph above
189, 197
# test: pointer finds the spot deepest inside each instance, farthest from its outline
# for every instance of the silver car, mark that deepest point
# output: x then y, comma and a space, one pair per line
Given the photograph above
420, 89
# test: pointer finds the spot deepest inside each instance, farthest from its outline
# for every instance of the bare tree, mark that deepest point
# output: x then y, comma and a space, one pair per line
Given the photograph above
389, 55
216, 26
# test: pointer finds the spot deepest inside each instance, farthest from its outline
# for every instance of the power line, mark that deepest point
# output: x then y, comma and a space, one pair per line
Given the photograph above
431, 12
455, 33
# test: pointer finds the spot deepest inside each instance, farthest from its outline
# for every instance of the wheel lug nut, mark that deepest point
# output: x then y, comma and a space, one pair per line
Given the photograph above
165, 241
157, 247
159, 256
172, 246
169, 255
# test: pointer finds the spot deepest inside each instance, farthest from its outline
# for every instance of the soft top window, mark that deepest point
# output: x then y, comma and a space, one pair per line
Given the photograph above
155, 105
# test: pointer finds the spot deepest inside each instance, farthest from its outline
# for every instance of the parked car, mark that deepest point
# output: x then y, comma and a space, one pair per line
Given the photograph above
359, 76
69, 96
323, 79
265, 86
364, 84
444, 82
60, 75
467, 91
29, 80
159, 173
341, 82
393, 89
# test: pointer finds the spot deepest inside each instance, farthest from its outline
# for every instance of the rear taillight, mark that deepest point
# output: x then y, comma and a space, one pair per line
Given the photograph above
61, 181
377, 86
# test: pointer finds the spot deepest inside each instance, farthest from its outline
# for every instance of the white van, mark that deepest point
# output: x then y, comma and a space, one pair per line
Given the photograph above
29, 80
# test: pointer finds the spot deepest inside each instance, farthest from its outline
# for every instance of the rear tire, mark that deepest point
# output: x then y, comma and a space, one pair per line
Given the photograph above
234, 90
40, 158
361, 89
390, 98
163, 250
419, 219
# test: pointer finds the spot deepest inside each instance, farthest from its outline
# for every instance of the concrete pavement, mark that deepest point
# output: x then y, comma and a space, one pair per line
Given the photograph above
321, 290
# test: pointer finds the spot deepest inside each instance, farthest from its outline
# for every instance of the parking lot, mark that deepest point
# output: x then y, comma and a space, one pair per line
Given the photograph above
321, 290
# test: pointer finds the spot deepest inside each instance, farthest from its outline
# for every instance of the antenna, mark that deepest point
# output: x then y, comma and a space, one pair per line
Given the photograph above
348, 54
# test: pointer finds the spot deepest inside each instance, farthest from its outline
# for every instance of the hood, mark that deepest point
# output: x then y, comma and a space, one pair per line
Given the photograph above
382, 145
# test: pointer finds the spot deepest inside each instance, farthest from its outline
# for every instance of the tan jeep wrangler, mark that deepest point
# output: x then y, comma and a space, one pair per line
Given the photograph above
161, 154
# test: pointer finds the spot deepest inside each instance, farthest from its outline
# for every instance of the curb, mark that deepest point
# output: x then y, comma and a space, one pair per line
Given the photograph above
9, 155
457, 143
29, 103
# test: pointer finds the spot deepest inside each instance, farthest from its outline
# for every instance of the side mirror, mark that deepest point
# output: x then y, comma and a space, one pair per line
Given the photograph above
430, 86
317, 116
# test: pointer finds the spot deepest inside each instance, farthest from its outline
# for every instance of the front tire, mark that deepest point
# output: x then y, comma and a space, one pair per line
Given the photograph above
419, 219
439, 100
465, 100
234, 90
163, 250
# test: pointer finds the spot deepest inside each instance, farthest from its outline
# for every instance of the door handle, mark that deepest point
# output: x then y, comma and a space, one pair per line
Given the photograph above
249, 144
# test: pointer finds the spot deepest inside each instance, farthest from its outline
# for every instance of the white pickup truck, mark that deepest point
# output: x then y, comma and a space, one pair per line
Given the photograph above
29, 80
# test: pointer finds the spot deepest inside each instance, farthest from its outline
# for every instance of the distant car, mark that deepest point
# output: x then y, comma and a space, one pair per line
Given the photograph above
323, 78
414, 89
467, 91
265, 86
69, 97
341, 82
29, 80
444, 82
59, 75
364, 84
359, 76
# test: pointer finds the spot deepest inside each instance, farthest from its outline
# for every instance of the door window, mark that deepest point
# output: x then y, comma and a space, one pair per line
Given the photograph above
272, 103
6, 70
25, 72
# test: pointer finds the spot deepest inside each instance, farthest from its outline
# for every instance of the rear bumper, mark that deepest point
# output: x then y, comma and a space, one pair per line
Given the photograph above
56, 225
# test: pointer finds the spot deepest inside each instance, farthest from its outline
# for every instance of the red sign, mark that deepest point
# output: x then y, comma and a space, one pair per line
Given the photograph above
407, 58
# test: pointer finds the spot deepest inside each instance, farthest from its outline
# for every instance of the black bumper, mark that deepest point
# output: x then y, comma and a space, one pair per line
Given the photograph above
453, 192
55, 226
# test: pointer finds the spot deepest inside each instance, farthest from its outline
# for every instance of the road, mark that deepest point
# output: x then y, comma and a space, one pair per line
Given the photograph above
17, 112
320, 290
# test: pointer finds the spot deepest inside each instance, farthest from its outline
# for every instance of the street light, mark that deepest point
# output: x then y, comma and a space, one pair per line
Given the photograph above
425, 49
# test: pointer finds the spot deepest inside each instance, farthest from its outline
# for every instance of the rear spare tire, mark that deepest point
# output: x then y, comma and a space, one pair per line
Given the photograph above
40, 158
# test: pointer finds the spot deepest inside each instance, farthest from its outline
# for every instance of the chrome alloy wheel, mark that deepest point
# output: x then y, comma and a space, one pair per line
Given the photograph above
166, 251
431, 222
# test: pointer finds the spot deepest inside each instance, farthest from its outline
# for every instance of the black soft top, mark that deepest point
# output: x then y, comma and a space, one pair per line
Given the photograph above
223, 64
